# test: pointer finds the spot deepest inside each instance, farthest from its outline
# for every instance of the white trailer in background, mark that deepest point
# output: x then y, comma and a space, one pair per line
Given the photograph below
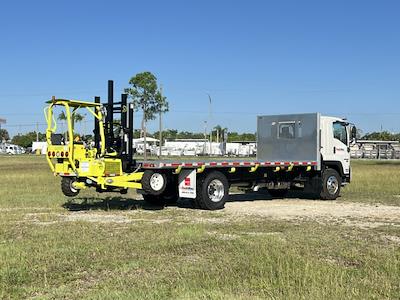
39, 147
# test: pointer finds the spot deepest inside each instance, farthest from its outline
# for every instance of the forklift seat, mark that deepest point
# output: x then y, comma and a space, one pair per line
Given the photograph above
57, 139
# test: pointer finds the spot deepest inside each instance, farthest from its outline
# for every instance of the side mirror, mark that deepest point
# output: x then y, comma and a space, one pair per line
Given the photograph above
353, 133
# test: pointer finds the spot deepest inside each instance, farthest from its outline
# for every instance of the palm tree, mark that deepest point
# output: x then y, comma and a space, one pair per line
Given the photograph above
220, 132
75, 118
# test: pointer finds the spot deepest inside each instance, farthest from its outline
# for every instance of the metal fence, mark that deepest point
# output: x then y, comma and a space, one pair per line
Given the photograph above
375, 149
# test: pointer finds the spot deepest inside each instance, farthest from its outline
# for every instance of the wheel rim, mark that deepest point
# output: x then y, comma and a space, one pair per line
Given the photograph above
332, 185
156, 181
215, 190
71, 186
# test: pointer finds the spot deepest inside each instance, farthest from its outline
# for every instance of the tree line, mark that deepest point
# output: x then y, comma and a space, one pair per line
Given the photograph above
25, 140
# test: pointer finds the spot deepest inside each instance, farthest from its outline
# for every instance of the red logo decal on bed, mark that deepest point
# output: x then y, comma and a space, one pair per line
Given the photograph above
187, 181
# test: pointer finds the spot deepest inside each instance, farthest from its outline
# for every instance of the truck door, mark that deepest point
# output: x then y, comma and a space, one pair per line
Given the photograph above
341, 149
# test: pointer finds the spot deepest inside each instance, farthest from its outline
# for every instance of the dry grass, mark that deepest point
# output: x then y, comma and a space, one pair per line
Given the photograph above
125, 250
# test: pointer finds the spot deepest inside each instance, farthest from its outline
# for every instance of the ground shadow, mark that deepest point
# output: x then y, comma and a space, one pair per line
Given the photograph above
108, 203
265, 196
119, 203
124, 203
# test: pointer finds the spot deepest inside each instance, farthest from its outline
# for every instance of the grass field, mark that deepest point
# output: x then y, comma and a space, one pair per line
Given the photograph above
123, 249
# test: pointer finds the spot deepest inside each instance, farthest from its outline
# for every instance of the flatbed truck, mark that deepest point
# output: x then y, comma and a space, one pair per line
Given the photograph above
308, 152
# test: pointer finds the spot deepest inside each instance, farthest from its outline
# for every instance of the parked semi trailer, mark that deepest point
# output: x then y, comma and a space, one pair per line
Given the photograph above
296, 151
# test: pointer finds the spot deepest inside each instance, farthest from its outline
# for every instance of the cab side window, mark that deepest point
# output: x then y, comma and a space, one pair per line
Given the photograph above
340, 132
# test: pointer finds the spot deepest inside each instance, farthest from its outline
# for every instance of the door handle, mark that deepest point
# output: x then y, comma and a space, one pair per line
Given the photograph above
334, 150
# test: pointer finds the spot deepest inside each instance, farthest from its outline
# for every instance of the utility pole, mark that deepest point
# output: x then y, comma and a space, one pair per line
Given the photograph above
209, 111
37, 131
2, 121
205, 138
160, 129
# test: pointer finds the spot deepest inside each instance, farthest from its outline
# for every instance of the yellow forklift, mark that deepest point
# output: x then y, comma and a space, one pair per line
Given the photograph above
107, 163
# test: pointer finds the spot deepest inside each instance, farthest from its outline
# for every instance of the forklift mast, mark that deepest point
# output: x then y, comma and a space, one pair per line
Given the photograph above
118, 143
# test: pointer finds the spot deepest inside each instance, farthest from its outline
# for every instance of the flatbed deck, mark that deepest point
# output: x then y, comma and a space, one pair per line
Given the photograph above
171, 164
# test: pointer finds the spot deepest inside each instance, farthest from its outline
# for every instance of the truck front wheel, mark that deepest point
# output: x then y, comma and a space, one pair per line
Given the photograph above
331, 183
67, 186
212, 191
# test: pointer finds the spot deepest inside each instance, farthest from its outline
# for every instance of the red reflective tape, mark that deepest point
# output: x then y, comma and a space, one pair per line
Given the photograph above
296, 163
188, 165
213, 164
175, 165
225, 164
246, 163
287, 163
236, 163
314, 163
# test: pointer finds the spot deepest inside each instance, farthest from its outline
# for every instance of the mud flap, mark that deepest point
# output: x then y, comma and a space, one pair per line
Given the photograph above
187, 183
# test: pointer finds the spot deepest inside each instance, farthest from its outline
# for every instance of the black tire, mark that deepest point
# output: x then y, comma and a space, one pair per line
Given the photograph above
171, 193
148, 179
331, 184
154, 199
67, 188
215, 182
278, 193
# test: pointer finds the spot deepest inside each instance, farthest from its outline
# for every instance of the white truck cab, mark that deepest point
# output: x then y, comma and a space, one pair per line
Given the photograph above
336, 137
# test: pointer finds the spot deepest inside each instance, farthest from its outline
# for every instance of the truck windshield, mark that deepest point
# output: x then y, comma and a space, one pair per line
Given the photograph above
340, 132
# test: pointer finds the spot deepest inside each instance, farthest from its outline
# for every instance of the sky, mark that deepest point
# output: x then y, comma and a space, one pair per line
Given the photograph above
339, 58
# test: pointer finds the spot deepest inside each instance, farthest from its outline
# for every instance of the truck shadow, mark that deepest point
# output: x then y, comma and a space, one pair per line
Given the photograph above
260, 196
119, 203
108, 203
124, 203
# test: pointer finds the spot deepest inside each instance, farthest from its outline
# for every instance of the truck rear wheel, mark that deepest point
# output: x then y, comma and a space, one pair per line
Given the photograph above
67, 186
212, 191
331, 183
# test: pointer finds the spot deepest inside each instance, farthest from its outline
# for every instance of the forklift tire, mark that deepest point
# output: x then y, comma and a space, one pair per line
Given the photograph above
278, 193
169, 196
154, 199
331, 183
67, 186
212, 191
154, 183
171, 193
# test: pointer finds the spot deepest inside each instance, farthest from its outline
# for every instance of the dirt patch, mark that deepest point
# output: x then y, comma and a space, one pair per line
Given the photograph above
392, 238
352, 214
96, 218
